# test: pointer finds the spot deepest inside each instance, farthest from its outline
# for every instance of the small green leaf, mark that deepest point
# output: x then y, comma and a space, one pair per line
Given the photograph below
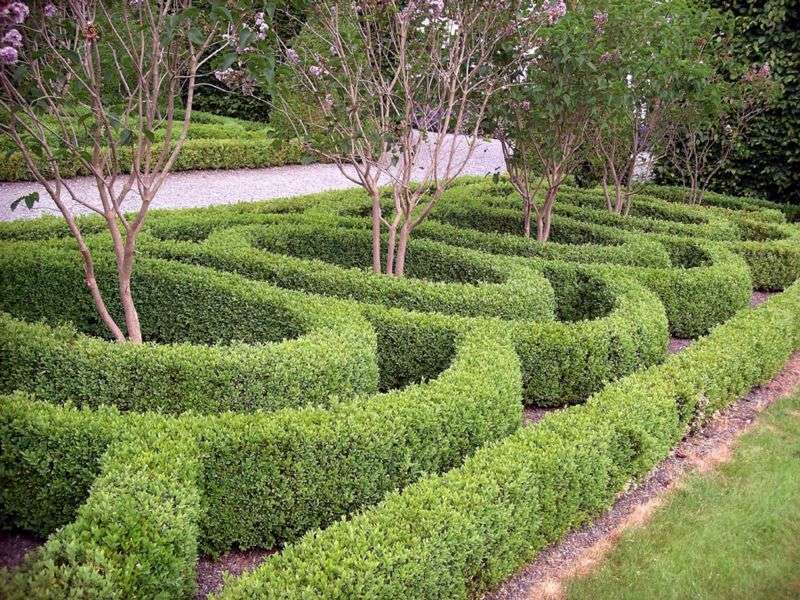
29, 200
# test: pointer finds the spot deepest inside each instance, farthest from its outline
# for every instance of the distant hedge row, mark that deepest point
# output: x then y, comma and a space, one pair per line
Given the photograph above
212, 143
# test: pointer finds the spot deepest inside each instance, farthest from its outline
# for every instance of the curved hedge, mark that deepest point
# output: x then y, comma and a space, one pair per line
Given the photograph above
456, 535
299, 389
708, 285
268, 477
331, 349
610, 325
214, 143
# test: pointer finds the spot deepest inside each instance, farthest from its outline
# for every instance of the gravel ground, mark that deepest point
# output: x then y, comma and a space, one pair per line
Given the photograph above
205, 188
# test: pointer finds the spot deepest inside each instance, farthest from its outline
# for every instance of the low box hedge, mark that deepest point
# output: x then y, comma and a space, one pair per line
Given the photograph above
611, 325
268, 477
226, 343
136, 534
456, 535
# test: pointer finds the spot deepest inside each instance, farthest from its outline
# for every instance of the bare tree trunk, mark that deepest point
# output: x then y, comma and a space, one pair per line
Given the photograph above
526, 213
544, 217
97, 297
402, 249
376, 231
126, 296
391, 244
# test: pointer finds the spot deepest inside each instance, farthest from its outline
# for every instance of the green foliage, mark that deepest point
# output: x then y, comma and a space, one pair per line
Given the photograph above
213, 143
301, 389
740, 518
330, 348
766, 164
136, 534
454, 536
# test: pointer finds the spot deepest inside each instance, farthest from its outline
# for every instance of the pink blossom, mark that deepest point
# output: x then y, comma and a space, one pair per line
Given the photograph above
315, 71
600, 20
8, 55
526, 105
13, 38
16, 12
262, 26
327, 103
292, 56
610, 56
50, 10
553, 11
758, 73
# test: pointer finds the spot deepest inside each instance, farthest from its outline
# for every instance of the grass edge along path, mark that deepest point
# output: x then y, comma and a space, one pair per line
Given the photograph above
731, 532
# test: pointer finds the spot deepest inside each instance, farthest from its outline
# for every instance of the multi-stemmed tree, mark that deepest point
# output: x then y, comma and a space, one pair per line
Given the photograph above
548, 105
650, 48
718, 103
388, 83
91, 81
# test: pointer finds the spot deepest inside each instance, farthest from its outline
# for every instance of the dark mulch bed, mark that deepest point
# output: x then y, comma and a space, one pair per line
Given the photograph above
678, 344
700, 451
210, 573
760, 297
14, 545
533, 414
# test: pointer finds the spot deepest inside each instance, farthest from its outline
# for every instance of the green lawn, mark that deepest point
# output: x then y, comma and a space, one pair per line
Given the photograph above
730, 534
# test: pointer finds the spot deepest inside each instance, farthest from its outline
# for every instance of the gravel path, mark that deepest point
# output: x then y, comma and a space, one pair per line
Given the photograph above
205, 188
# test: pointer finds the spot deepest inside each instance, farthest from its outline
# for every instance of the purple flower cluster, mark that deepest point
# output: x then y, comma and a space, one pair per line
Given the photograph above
552, 11
758, 73
11, 15
600, 20
237, 79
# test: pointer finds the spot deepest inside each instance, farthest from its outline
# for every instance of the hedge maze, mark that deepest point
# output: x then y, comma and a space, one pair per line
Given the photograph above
367, 426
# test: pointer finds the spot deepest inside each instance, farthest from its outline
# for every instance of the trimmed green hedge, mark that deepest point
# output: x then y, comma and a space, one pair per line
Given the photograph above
221, 143
331, 349
268, 477
678, 194
136, 534
612, 327
299, 256
708, 285
456, 535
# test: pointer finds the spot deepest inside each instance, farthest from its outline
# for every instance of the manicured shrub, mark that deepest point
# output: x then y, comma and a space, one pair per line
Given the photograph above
211, 144
454, 536
275, 427
612, 328
136, 534
329, 348
268, 477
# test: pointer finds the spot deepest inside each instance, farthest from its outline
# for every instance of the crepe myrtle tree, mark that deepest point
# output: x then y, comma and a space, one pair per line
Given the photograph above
387, 81
649, 48
548, 105
89, 82
720, 99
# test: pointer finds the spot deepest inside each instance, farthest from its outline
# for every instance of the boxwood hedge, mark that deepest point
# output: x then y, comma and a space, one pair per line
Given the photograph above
609, 325
269, 348
454, 536
296, 389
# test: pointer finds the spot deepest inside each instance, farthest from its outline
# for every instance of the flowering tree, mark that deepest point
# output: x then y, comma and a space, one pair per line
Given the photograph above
548, 105
387, 80
717, 107
91, 81
649, 48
